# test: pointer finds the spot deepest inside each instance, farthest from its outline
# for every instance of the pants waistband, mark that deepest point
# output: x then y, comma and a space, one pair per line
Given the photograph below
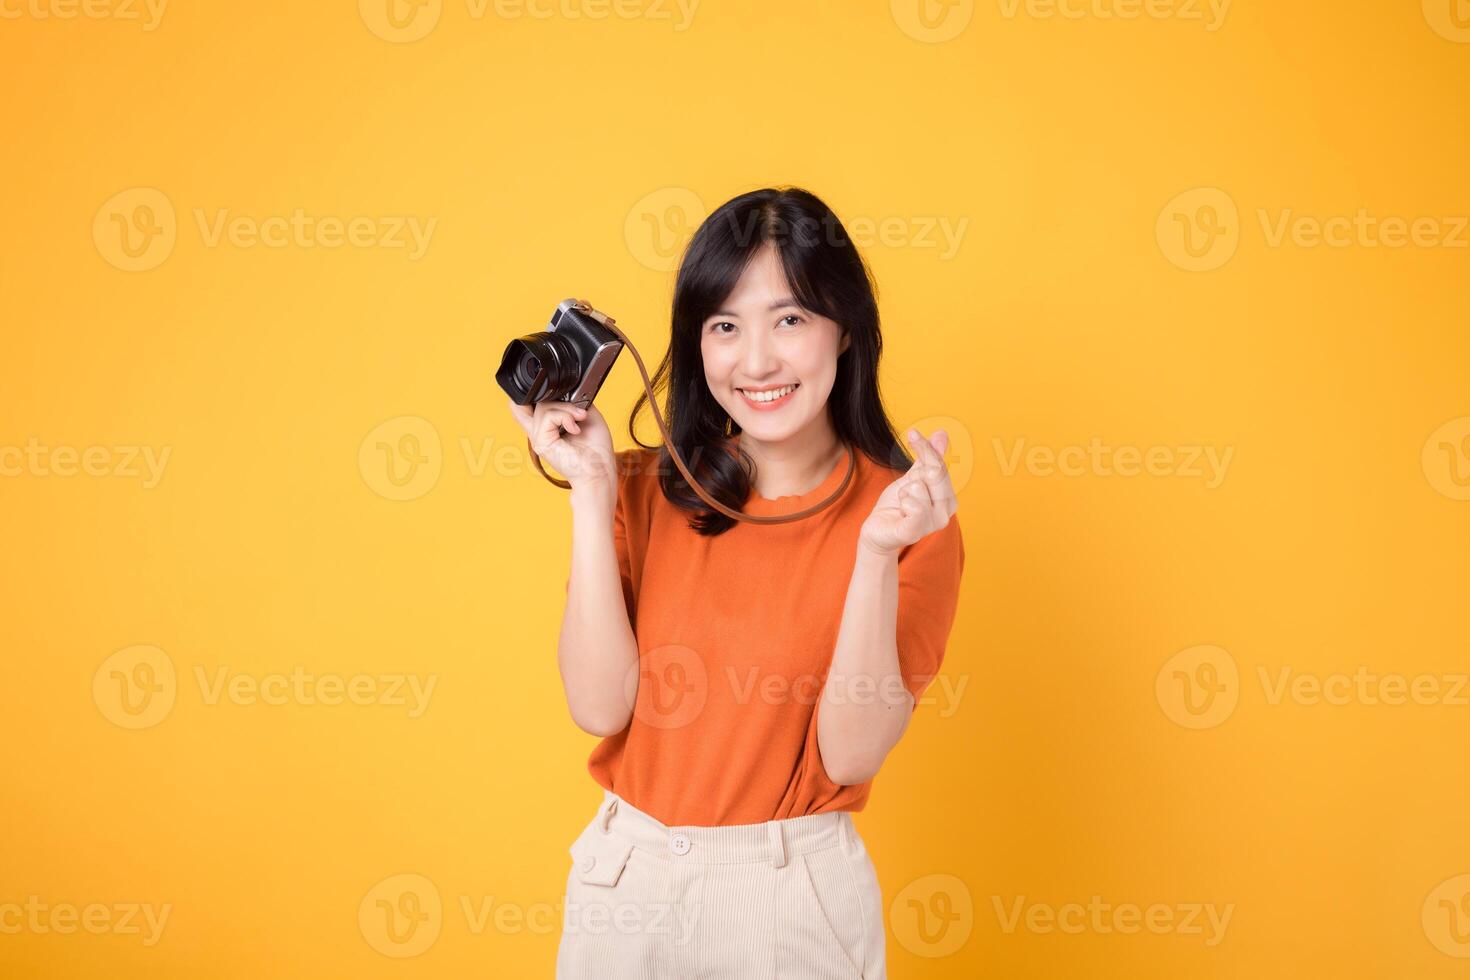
774, 840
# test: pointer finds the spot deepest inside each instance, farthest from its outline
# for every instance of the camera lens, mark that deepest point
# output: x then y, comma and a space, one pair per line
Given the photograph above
543, 356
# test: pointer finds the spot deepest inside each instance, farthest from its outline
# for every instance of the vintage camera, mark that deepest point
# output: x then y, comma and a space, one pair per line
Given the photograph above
568, 361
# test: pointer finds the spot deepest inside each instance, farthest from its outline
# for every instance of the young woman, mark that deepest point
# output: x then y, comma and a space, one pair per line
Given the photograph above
747, 679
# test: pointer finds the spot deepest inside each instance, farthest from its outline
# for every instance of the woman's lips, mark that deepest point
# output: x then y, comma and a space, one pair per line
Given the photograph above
773, 404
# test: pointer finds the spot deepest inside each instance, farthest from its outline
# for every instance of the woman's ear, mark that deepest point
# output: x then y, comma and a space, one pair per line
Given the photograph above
846, 340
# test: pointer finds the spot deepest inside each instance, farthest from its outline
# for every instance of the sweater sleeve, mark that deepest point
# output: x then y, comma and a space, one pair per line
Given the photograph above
929, 572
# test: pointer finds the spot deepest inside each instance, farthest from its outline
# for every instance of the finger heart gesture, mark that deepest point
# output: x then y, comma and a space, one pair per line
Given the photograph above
916, 504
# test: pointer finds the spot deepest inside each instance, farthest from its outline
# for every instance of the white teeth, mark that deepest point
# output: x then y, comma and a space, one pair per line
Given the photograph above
767, 396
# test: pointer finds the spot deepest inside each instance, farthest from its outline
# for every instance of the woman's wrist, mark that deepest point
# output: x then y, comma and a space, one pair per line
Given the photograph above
594, 497
867, 552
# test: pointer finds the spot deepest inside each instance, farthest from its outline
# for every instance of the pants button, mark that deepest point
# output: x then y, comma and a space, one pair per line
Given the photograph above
679, 843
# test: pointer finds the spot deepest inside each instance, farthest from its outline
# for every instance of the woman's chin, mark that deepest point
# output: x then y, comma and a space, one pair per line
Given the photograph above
764, 429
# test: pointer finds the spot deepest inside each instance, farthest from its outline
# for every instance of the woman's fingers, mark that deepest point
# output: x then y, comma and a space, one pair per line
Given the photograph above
934, 472
926, 458
918, 463
549, 425
924, 448
918, 491
908, 504
552, 420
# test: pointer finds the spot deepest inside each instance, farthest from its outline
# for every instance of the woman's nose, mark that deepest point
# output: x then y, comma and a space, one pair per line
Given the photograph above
758, 360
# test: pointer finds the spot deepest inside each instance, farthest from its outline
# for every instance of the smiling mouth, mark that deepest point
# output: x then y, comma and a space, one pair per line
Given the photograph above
770, 396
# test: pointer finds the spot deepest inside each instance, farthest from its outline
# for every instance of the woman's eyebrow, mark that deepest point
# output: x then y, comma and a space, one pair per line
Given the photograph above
781, 303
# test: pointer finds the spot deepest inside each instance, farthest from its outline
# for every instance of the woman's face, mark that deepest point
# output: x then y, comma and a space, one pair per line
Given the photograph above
769, 363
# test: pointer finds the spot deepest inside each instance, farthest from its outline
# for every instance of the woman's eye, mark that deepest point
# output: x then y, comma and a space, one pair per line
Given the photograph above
715, 327
791, 316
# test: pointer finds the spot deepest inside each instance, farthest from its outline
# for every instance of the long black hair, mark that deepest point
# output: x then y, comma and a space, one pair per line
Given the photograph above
827, 277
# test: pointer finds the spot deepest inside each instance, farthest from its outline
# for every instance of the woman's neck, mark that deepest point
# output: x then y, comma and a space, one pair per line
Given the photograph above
794, 466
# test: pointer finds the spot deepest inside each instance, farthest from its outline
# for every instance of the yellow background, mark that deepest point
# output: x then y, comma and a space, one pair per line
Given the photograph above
547, 149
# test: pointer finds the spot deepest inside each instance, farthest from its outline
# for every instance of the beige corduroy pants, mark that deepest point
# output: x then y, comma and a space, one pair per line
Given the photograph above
794, 899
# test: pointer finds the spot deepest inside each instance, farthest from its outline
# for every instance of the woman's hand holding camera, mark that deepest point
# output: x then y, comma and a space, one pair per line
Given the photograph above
574, 440
916, 504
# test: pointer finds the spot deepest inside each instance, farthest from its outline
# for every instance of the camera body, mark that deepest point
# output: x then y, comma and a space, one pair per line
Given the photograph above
568, 361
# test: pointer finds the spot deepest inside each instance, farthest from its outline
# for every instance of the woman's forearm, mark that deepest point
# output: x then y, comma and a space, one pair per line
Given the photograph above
597, 650
865, 706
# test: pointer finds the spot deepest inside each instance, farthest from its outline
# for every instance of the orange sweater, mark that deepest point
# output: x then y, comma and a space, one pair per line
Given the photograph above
735, 638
